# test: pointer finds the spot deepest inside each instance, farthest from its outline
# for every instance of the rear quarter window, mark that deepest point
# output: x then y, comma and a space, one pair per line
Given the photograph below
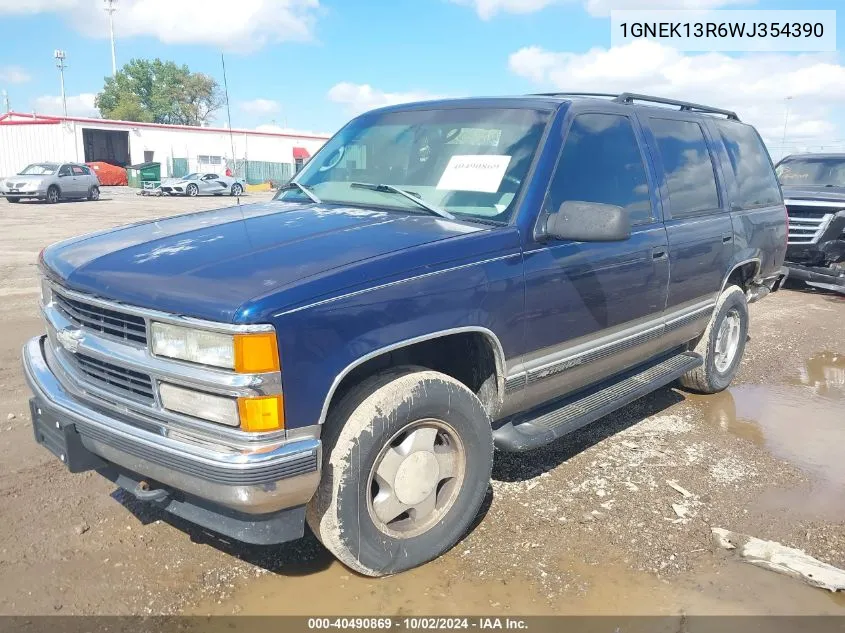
756, 183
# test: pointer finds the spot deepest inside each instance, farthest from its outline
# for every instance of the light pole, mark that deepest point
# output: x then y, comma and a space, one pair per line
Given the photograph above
59, 56
785, 123
110, 9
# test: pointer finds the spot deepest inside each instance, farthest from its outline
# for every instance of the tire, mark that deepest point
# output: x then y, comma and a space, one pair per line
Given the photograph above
53, 194
13, 200
192, 191
717, 371
94, 193
237, 189
361, 431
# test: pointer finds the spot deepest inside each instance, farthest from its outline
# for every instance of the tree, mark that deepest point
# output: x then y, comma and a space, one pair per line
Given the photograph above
159, 92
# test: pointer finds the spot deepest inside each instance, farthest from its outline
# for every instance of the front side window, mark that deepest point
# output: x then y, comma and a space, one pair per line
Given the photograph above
687, 165
601, 162
812, 172
470, 162
756, 183
65, 170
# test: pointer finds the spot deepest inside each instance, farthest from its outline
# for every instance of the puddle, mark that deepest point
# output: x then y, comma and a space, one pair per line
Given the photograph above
801, 422
439, 588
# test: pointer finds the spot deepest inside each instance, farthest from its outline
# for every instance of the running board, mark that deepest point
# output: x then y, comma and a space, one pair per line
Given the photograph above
565, 416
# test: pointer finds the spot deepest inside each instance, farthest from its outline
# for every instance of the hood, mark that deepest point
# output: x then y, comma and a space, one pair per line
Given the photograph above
19, 181
209, 264
822, 194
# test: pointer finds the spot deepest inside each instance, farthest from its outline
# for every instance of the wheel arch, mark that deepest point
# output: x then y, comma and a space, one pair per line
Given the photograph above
493, 401
742, 274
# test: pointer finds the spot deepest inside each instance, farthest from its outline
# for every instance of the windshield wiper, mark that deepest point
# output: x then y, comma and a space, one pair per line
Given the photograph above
295, 185
413, 197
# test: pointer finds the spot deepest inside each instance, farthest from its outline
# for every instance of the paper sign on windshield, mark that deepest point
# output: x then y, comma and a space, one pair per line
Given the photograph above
474, 173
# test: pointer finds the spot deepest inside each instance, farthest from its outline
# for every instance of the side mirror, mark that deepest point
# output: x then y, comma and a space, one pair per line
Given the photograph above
589, 222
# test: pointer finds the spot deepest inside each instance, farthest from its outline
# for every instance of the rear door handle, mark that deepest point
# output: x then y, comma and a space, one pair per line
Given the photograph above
658, 253
727, 237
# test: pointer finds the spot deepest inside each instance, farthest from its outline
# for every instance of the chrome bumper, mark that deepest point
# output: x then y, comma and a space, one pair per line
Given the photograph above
281, 477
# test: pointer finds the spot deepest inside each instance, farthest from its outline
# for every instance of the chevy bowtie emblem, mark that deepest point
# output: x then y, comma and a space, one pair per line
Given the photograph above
70, 339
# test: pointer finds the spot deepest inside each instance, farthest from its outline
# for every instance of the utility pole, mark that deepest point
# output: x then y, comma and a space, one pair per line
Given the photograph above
6, 101
785, 123
110, 9
59, 56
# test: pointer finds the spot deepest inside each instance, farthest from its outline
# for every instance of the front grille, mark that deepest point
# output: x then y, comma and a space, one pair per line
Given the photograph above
122, 325
807, 224
125, 382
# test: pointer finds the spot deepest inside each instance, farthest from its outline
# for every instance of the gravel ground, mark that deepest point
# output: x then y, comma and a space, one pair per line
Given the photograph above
617, 515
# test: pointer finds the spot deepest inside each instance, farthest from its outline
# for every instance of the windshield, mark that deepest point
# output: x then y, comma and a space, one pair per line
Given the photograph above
191, 177
467, 161
39, 169
812, 172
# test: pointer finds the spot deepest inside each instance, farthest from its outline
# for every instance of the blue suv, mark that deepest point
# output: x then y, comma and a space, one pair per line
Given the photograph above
441, 279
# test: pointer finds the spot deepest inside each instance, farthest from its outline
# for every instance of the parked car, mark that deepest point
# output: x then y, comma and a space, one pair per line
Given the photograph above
51, 182
814, 188
440, 279
203, 185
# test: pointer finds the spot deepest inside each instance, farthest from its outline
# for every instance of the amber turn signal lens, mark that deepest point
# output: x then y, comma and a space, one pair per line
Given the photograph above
265, 413
256, 353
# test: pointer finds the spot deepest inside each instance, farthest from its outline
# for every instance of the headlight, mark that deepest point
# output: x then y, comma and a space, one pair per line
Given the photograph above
245, 353
199, 405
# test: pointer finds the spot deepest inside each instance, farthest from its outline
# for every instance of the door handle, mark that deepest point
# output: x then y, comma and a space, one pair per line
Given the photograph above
658, 253
727, 237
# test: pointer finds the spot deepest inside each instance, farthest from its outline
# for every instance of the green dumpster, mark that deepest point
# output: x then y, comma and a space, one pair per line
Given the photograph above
137, 175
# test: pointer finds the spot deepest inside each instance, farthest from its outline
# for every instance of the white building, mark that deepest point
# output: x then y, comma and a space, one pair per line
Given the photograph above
257, 155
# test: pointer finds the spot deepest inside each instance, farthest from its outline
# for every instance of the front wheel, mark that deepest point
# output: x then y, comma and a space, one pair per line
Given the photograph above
192, 191
237, 189
722, 344
13, 200
53, 194
407, 461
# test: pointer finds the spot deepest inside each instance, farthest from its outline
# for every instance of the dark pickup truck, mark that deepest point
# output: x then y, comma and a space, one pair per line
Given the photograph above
441, 279
814, 189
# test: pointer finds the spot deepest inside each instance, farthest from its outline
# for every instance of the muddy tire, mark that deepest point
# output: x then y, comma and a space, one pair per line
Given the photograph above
408, 442
722, 344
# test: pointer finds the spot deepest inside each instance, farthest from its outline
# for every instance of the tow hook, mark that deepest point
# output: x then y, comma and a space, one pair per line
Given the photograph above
143, 492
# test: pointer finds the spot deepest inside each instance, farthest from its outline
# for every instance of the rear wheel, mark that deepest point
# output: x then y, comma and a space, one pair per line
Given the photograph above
237, 189
192, 191
94, 193
53, 194
722, 344
407, 461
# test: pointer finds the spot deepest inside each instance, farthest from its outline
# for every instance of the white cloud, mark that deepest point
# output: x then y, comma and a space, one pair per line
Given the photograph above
77, 105
362, 97
487, 9
755, 85
261, 107
13, 75
243, 26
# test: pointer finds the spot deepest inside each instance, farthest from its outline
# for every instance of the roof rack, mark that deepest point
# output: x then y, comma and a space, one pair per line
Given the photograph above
631, 97
575, 94
684, 106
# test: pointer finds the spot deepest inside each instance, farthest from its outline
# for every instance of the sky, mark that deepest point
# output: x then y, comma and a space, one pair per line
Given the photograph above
313, 64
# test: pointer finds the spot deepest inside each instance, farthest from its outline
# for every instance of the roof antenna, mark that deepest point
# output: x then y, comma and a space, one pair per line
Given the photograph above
229, 118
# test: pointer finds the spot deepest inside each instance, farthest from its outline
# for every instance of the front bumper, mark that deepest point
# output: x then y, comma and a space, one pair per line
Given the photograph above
243, 482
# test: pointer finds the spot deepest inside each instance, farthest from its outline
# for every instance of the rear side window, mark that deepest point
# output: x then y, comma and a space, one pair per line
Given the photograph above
601, 162
688, 166
756, 184
78, 171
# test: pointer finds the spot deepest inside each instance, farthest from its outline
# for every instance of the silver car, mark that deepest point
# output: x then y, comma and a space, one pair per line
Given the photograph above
203, 185
51, 182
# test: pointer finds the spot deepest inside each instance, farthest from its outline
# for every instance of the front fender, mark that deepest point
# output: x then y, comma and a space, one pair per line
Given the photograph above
321, 343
